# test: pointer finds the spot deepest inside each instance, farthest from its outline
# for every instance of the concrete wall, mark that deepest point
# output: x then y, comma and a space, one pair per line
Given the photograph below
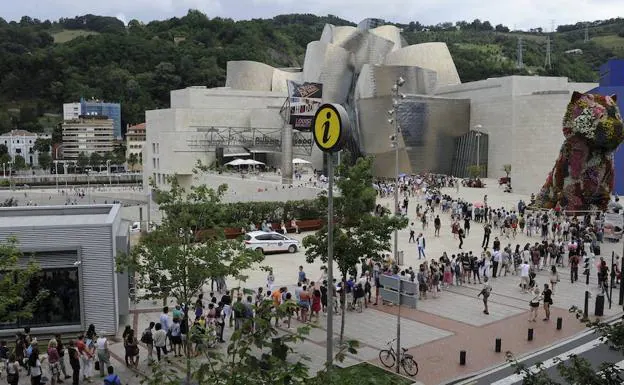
522, 116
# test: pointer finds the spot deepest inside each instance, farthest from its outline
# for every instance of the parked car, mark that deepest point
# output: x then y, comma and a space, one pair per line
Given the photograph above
268, 242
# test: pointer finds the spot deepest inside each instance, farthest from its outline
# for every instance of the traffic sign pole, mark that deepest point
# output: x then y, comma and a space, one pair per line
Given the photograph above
330, 126
330, 260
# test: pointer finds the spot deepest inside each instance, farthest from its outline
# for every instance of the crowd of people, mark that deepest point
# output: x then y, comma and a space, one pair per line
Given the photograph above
87, 353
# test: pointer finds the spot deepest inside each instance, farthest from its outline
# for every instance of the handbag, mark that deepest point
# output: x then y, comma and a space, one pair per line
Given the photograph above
97, 365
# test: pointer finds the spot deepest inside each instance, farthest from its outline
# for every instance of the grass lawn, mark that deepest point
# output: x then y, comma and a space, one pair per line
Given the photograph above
69, 34
373, 375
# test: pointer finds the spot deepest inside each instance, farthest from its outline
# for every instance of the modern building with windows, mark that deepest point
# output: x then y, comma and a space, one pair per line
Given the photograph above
75, 248
135, 140
22, 142
72, 111
87, 134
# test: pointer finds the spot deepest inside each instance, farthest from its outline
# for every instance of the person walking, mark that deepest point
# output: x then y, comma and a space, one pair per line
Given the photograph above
534, 305
103, 354
460, 233
61, 351
53, 363
12, 370
412, 231
437, 224
487, 230
420, 241
554, 277
496, 260
74, 362
160, 340
485, 292
148, 339
547, 295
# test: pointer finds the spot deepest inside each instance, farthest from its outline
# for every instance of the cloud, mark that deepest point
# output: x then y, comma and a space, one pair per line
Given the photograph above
522, 14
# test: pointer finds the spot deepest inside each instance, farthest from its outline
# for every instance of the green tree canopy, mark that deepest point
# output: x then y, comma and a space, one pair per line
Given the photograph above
82, 161
19, 163
16, 276
45, 160
358, 232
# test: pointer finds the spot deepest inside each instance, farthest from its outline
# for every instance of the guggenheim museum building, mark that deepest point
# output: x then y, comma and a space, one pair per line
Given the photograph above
515, 120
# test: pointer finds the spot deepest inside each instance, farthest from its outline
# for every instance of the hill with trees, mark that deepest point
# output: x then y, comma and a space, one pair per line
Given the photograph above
46, 63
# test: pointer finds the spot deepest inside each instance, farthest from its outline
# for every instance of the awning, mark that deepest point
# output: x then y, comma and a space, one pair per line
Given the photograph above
235, 151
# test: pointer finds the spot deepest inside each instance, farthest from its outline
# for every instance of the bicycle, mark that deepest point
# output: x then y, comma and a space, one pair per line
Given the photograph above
388, 359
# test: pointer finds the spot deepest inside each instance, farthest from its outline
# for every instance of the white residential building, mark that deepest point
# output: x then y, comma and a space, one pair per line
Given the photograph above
22, 142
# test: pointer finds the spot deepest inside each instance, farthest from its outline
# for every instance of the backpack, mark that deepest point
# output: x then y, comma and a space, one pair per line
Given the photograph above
146, 337
111, 381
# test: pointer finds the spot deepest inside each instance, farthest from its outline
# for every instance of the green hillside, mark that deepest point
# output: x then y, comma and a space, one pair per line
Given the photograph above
46, 63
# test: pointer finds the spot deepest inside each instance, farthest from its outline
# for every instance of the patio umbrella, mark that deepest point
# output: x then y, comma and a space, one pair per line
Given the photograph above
300, 161
252, 162
478, 204
236, 162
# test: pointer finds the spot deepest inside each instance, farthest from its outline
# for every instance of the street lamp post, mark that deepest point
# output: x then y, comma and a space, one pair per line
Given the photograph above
478, 135
56, 175
394, 142
110, 183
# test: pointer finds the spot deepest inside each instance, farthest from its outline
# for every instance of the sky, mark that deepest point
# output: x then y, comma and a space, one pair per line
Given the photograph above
518, 14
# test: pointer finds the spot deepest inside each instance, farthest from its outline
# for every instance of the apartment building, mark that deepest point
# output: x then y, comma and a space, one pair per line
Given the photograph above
89, 134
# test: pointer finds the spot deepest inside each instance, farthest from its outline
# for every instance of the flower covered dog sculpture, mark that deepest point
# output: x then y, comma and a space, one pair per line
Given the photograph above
582, 178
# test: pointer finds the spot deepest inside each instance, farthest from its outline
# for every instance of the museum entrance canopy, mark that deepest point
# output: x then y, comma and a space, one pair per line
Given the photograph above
253, 140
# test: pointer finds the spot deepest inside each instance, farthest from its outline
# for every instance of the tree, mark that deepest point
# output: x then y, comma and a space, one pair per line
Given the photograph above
174, 260
119, 154
13, 283
19, 163
358, 233
132, 160
4, 150
95, 160
45, 160
507, 169
42, 145
83, 161
474, 171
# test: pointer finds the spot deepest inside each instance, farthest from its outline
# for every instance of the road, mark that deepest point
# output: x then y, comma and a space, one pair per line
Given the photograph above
588, 347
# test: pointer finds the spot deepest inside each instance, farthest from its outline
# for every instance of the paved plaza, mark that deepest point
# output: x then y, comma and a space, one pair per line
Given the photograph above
438, 328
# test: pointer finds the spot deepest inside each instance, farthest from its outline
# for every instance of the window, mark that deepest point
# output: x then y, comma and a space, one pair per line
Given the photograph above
154, 148
158, 178
263, 237
277, 237
62, 304
154, 162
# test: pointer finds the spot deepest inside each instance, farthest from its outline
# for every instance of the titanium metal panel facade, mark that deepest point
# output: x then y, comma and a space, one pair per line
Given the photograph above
429, 128
466, 149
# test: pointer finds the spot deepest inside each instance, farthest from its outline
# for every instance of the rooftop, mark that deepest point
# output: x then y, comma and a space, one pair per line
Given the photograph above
19, 133
51, 216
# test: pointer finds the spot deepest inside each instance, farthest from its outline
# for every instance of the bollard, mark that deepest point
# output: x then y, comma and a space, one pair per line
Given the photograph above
530, 335
559, 323
497, 348
462, 357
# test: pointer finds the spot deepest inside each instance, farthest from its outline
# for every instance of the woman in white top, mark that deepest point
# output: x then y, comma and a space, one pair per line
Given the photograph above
12, 370
103, 354
35, 367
